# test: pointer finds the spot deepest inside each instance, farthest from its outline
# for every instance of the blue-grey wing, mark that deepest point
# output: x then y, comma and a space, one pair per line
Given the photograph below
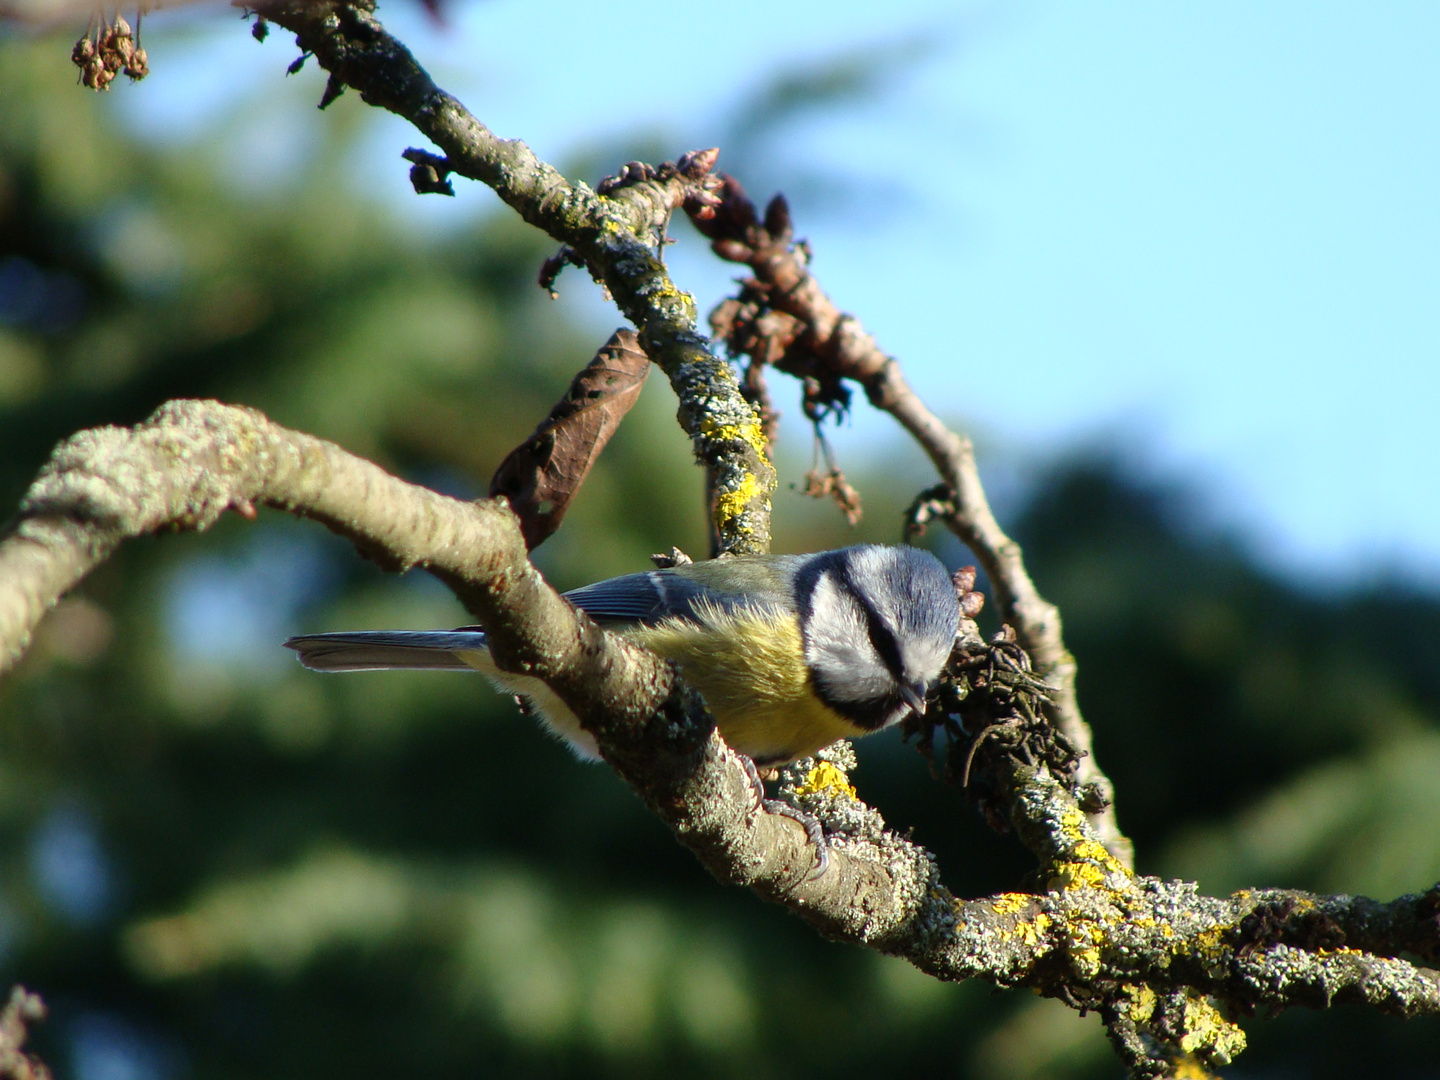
644, 598
762, 581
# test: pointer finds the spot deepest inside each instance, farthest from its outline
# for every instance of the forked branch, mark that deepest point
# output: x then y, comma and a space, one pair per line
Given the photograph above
784, 318
616, 235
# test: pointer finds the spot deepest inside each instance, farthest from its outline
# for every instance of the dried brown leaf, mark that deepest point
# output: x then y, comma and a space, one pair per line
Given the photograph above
541, 476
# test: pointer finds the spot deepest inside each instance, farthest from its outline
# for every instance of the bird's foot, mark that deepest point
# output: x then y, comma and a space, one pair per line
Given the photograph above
814, 831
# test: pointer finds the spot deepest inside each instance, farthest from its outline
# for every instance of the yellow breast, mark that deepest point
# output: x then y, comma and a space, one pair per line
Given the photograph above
750, 667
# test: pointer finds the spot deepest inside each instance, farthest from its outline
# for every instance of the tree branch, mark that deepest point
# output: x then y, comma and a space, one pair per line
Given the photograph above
783, 317
617, 235
1154, 954
193, 460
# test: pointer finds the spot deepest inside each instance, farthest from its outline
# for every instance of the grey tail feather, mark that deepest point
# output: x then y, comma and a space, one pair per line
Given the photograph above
380, 650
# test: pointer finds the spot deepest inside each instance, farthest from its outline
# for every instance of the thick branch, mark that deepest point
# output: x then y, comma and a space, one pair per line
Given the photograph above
613, 234
1149, 953
193, 460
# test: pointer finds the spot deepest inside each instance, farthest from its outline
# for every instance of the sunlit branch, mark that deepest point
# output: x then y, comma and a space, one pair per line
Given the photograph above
617, 235
783, 317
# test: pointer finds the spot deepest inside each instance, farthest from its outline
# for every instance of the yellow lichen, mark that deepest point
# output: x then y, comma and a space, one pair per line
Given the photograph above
1077, 875
1142, 1002
1086, 962
1072, 824
1211, 943
754, 435
826, 777
750, 433
1084, 848
1189, 1068
1208, 946
1032, 931
1207, 1030
1094, 851
665, 289
1009, 903
729, 505
1083, 939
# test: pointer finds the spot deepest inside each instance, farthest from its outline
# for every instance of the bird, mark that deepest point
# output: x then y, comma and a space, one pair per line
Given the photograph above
790, 652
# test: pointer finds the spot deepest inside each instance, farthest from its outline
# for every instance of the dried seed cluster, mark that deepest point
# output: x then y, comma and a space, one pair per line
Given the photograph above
107, 49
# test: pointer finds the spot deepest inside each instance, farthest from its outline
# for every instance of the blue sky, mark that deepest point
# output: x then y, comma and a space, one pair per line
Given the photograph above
1211, 232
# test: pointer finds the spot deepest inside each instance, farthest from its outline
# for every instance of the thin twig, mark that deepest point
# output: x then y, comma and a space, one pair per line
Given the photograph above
809, 337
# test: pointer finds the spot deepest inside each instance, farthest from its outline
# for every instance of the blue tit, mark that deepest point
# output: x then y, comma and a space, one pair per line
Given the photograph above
790, 652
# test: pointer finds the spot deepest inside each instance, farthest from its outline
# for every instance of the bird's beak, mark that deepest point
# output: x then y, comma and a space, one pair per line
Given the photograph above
914, 696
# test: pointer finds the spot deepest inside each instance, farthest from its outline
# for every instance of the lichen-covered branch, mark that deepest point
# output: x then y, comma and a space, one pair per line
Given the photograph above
194, 460
1170, 969
783, 317
617, 235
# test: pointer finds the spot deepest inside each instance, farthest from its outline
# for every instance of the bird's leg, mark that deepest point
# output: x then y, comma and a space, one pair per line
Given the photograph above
814, 831
757, 786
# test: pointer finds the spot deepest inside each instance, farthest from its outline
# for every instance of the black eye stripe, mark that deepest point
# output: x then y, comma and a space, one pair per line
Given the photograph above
884, 643
881, 638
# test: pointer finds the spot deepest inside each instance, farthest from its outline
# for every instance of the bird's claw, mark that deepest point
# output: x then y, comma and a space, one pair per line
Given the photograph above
814, 831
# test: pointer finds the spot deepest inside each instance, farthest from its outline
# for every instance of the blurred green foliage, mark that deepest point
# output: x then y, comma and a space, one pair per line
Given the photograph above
216, 864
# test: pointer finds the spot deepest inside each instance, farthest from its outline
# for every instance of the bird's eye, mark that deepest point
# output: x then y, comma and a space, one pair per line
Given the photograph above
884, 643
